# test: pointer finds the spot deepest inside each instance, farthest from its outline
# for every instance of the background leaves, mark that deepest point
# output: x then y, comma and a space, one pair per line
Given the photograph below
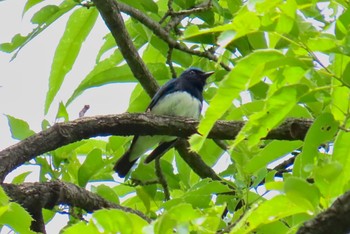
273, 60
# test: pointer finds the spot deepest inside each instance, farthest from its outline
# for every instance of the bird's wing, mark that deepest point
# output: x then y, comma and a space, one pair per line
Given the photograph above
169, 87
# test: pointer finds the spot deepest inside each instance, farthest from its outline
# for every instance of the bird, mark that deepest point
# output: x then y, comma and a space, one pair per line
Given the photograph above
182, 96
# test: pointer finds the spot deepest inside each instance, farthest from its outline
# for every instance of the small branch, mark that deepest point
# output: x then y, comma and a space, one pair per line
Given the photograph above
334, 220
281, 168
136, 182
162, 179
177, 18
169, 61
192, 10
83, 111
132, 124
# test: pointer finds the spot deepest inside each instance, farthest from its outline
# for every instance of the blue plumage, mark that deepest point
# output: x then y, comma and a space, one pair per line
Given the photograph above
181, 96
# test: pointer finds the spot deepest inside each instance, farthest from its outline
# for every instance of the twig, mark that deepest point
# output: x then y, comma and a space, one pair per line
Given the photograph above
170, 62
192, 10
168, 13
136, 182
83, 111
162, 179
285, 164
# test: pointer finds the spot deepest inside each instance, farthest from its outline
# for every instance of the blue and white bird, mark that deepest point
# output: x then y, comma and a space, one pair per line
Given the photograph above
182, 96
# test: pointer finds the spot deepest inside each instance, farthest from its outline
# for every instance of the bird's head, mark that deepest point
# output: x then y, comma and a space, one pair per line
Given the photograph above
195, 75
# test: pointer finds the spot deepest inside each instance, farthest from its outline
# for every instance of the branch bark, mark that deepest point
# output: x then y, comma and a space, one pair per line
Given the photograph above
35, 196
336, 219
131, 124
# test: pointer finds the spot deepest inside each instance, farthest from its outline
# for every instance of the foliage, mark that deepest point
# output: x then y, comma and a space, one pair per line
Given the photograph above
287, 59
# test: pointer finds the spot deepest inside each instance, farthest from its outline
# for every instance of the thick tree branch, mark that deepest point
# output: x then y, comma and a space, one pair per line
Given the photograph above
110, 13
336, 219
129, 124
35, 196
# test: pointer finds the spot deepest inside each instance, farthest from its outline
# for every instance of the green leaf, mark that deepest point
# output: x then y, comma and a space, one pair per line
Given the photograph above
48, 215
29, 4
109, 43
18, 41
210, 152
177, 218
44, 14
340, 94
20, 178
17, 218
19, 128
62, 112
112, 75
182, 58
244, 23
81, 227
266, 212
342, 25
91, 166
276, 109
117, 221
323, 44
144, 197
78, 28
200, 194
341, 155
346, 74
274, 150
107, 193
302, 193
245, 74
4, 199
110, 221
322, 130
149, 6
139, 100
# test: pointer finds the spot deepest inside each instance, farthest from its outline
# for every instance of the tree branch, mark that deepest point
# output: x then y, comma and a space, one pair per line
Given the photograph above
130, 124
162, 179
333, 220
35, 196
195, 161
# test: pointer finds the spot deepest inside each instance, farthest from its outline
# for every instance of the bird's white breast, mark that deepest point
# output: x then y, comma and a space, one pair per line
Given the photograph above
174, 104
178, 104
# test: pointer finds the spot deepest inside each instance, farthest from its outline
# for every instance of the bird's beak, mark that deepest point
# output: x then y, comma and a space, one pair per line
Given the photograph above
207, 74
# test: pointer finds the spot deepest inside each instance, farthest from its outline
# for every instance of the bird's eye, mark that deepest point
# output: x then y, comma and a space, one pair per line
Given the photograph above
192, 73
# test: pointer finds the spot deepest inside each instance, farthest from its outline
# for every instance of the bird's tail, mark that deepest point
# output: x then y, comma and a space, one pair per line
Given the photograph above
123, 165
